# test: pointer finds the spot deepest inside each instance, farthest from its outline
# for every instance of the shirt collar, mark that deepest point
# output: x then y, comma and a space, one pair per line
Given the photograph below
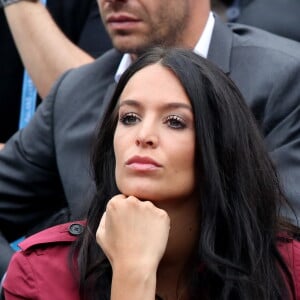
201, 47
203, 43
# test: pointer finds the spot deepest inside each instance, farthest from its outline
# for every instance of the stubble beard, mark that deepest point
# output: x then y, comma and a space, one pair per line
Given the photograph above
167, 33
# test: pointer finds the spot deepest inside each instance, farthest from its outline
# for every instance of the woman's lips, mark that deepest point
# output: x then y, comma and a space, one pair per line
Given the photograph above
139, 163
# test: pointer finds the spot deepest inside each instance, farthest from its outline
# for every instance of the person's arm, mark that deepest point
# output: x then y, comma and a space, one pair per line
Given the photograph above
45, 51
133, 234
29, 178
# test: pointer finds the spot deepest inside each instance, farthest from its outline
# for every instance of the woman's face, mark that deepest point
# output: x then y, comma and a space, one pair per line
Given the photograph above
154, 141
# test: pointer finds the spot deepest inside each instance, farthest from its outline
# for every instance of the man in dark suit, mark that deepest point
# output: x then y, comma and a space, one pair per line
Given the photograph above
44, 169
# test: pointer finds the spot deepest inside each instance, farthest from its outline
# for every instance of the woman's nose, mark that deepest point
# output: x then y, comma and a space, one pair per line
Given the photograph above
147, 140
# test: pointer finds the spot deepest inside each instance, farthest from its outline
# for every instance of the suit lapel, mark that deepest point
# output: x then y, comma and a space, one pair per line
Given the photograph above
220, 46
109, 93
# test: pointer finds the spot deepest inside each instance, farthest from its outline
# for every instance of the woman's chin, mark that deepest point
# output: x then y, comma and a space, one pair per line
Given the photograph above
143, 195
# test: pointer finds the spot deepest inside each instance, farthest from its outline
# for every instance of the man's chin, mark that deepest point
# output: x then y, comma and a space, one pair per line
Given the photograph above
126, 49
129, 46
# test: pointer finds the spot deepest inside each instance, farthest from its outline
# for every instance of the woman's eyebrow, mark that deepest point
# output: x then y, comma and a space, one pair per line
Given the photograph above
129, 102
173, 105
165, 106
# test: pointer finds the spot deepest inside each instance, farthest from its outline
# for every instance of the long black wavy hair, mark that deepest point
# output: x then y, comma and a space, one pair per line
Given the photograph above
237, 186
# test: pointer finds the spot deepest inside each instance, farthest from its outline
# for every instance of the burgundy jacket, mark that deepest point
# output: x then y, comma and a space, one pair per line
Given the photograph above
40, 271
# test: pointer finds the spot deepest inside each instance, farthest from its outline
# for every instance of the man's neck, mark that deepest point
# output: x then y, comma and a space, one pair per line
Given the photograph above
201, 46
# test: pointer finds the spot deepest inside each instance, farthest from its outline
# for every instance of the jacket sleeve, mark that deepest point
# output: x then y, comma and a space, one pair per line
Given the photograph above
21, 273
30, 187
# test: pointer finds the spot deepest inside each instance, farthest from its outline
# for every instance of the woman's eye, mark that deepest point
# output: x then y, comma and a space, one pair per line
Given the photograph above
129, 119
175, 122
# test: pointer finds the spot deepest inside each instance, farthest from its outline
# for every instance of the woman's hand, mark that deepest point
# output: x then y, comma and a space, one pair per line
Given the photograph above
133, 233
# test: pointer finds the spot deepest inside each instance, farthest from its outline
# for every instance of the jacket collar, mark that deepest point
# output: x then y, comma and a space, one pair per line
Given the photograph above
221, 45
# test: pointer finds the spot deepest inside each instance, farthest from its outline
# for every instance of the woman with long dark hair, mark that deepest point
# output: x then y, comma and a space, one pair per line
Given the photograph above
187, 201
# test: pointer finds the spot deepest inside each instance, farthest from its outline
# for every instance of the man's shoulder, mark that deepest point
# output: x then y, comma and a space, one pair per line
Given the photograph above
88, 82
108, 61
104, 66
248, 37
239, 49
95, 75
64, 233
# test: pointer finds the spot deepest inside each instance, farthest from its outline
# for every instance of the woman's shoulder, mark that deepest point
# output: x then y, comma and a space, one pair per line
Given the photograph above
42, 269
289, 246
289, 249
63, 233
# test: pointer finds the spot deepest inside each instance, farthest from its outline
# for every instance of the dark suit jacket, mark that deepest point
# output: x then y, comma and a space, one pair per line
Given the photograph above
45, 167
277, 16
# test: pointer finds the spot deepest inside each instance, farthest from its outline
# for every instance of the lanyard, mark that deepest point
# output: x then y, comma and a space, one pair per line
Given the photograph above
28, 98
